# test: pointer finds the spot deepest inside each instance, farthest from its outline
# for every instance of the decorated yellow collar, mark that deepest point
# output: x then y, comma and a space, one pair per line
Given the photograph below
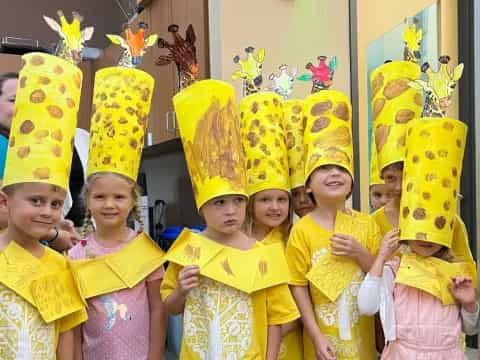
48, 285
333, 274
122, 269
433, 275
258, 268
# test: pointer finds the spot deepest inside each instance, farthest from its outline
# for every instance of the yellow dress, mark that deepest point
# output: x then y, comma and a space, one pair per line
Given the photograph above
24, 333
460, 246
223, 322
352, 335
291, 347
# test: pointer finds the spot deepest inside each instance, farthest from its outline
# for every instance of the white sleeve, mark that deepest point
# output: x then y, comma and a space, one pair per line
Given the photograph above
470, 321
376, 295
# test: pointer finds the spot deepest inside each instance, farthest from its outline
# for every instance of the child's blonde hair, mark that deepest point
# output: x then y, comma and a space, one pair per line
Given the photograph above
135, 213
249, 223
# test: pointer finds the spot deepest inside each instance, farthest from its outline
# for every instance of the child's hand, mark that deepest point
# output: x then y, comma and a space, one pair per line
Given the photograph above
463, 291
188, 279
324, 349
345, 245
390, 244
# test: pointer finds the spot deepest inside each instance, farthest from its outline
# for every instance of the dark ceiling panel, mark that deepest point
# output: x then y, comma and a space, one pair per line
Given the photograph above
23, 18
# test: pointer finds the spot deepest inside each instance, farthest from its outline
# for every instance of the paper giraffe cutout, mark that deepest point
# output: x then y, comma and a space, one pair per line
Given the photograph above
438, 88
183, 53
72, 38
321, 75
250, 70
134, 45
283, 82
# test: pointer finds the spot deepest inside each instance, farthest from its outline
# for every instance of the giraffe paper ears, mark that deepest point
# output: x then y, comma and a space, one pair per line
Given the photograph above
321, 75
439, 86
134, 45
250, 70
72, 38
413, 40
183, 53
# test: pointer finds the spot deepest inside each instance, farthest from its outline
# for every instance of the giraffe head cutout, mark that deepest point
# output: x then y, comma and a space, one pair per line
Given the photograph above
72, 37
134, 45
283, 82
439, 87
321, 75
183, 53
413, 40
250, 69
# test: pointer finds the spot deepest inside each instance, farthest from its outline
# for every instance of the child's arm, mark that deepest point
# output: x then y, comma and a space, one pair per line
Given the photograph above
323, 348
346, 245
291, 326
463, 291
274, 338
187, 280
65, 347
77, 340
158, 321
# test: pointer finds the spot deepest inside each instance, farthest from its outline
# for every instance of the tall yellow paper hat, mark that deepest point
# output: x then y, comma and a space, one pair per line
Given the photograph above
43, 127
263, 138
394, 104
328, 132
294, 129
121, 104
431, 179
210, 133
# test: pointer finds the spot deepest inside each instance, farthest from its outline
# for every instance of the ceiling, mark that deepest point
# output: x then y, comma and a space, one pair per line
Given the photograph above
23, 18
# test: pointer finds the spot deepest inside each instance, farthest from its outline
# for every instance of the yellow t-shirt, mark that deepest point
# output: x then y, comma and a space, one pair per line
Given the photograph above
307, 245
460, 246
26, 333
221, 322
291, 347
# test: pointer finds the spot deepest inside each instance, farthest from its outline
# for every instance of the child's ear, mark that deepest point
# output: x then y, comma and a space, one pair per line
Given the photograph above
3, 201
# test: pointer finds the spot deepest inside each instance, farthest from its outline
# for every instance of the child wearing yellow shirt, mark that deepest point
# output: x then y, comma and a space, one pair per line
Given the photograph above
268, 211
330, 249
39, 301
232, 290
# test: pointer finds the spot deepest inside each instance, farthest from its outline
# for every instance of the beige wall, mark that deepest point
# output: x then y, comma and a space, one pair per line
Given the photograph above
293, 32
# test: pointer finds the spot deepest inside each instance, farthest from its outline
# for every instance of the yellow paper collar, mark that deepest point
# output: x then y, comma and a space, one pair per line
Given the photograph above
122, 269
433, 275
261, 267
51, 290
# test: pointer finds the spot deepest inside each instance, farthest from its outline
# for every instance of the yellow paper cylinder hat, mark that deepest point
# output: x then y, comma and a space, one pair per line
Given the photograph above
431, 179
43, 127
394, 104
210, 133
294, 129
263, 138
121, 104
328, 131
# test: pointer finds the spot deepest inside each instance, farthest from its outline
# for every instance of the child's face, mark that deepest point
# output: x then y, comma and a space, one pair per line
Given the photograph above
33, 208
302, 203
270, 207
110, 200
393, 176
225, 214
378, 196
330, 182
424, 248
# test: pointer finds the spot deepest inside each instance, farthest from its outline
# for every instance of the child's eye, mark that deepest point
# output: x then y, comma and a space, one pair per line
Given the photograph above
57, 204
218, 202
35, 201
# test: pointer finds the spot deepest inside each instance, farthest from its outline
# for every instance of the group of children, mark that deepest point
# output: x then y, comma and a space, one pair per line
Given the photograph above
251, 285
